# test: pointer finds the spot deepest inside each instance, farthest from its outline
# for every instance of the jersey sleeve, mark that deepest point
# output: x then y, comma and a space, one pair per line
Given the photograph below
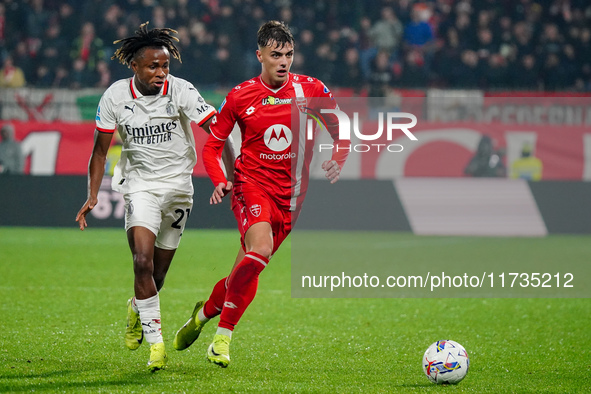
221, 126
327, 100
193, 105
224, 121
106, 121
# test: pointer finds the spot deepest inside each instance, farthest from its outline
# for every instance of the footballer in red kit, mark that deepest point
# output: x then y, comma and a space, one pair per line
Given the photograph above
271, 145
270, 175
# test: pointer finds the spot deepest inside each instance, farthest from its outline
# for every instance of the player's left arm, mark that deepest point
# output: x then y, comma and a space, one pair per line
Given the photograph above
332, 168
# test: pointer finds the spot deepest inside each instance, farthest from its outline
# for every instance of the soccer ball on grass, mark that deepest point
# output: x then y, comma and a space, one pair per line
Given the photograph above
446, 362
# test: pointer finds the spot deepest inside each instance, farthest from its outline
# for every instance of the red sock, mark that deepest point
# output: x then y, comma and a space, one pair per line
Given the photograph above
242, 287
215, 303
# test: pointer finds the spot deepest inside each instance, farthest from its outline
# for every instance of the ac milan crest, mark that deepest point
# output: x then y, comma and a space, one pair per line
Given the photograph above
169, 109
255, 210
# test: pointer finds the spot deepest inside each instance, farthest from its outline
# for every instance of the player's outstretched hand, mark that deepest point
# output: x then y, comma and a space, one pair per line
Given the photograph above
87, 207
220, 191
332, 170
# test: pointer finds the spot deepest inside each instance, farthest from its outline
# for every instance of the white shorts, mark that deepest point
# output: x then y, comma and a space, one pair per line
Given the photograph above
162, 212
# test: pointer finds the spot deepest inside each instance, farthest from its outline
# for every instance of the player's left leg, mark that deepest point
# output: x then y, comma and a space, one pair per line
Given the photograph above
242, 288
162, 260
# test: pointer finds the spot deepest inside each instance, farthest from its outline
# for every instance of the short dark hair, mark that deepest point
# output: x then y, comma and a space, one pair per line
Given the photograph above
274, 31
145, 38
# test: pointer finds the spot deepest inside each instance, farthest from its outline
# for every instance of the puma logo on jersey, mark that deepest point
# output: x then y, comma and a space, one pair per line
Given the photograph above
130, 108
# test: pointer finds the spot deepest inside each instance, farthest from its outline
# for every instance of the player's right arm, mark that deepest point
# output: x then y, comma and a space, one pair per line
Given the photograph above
228, 157
96, 169
106, 123
220, 129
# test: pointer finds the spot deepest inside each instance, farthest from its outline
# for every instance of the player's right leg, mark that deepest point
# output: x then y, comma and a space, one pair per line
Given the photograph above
142, 224
141, 241
203, 312
189, 332
134, 334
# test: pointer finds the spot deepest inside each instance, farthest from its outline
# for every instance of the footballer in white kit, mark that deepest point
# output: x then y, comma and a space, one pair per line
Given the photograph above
158, 152
152, 111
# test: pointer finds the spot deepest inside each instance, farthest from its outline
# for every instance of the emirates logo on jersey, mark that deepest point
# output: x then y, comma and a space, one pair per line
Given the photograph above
278, 137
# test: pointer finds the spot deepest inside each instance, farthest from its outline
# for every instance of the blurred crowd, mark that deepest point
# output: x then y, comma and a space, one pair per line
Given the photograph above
369, 46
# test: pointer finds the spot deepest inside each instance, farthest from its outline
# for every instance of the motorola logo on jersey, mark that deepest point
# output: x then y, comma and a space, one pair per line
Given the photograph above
278, 137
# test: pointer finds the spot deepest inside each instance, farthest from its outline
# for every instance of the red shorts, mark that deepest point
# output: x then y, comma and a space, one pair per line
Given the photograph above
251, 205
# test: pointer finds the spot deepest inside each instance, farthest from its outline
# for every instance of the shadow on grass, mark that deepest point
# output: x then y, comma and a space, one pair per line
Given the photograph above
72, 379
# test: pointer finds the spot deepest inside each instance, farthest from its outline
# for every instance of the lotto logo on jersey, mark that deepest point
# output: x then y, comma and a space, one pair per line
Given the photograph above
278, 137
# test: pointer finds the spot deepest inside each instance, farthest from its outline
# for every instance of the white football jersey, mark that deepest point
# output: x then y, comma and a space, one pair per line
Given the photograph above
158, 144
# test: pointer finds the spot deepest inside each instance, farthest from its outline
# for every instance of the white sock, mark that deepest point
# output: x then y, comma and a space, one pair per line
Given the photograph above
150, 316
224, 331
201, 316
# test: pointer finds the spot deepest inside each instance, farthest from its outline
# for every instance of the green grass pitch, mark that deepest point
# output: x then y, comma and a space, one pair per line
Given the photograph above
63, 309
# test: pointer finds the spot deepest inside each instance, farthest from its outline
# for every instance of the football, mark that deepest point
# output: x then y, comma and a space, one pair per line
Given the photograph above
446, 361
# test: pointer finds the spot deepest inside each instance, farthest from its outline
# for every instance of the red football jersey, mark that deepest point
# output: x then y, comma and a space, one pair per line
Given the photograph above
275, 153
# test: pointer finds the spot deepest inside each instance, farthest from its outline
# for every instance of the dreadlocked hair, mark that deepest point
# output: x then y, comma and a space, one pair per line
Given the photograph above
143, 38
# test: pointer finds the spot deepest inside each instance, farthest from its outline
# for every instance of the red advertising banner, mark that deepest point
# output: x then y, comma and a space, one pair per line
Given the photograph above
64, 148
442, 149
445, 149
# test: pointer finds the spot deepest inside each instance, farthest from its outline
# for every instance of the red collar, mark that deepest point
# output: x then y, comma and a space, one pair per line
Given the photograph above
132, 88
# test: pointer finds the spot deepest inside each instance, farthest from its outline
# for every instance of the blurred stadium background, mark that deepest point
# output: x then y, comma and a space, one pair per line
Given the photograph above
502, 90
538, 45
503, 85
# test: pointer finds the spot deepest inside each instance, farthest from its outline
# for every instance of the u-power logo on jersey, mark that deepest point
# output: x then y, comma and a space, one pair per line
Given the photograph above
385, 121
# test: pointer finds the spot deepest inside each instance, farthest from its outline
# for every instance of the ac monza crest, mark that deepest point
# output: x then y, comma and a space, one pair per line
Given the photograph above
302, 103
255, 210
